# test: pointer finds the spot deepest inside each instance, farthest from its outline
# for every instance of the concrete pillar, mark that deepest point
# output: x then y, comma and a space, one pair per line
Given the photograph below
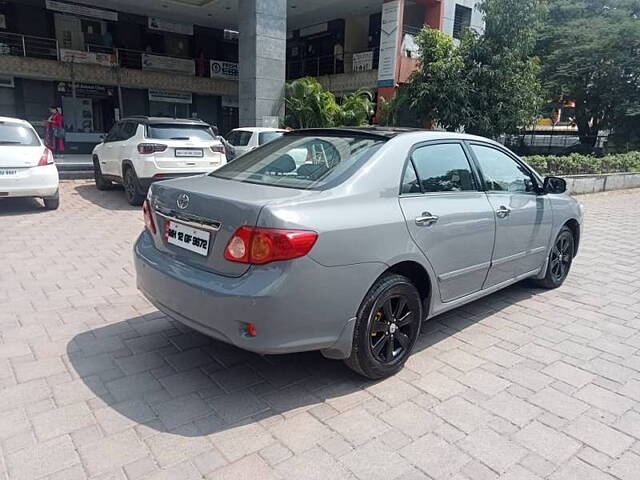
263, 41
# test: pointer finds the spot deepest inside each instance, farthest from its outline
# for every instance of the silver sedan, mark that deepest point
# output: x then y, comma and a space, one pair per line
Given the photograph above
344, 241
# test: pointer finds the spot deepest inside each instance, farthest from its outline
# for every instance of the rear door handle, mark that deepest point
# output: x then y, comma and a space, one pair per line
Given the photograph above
503, 212
426, 219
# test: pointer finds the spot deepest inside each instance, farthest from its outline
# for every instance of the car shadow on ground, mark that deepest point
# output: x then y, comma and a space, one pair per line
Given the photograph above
21, 206
112, 199
153, 371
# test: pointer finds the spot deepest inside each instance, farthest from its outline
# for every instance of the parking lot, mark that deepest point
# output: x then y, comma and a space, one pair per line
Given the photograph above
95, 383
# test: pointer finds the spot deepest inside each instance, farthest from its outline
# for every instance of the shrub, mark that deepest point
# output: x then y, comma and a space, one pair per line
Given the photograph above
576, 164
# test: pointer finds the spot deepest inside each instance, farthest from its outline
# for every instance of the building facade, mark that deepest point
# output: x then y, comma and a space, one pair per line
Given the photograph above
225, 62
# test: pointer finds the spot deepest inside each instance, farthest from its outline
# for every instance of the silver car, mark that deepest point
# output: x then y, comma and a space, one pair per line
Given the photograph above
348, 247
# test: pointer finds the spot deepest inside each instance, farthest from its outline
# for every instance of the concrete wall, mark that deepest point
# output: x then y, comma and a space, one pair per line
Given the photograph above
579, 184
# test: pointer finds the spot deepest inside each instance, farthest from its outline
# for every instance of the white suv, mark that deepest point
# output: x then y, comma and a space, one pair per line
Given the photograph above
140, 150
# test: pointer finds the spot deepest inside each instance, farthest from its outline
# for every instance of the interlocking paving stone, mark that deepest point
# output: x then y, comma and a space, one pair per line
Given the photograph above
526, 384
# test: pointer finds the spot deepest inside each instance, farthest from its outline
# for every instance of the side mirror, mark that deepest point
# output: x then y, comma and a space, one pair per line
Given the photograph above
554, 185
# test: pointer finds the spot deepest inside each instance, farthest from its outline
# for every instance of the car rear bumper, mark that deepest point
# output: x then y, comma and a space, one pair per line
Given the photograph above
40, 181
295, 306
145, 183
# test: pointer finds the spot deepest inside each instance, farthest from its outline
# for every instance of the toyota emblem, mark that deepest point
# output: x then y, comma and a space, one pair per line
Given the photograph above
183, 201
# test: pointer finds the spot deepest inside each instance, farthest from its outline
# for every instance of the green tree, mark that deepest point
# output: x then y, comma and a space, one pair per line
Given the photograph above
489, 83
590, 54
309, 105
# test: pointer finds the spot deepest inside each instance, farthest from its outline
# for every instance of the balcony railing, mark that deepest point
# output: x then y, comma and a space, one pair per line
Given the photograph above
347, 62
28, 46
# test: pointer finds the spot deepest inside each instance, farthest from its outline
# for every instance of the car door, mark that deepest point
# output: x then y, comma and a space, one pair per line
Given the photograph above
448, 216
124, 145
108, 152
523, 217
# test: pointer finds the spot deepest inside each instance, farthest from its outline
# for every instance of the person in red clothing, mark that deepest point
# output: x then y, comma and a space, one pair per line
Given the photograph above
54, 130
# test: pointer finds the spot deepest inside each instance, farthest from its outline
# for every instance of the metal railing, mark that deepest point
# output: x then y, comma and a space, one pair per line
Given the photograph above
91, 47
28, 46
330, 64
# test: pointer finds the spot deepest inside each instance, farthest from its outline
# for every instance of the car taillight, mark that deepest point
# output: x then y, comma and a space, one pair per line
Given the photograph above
149, 148
46, 158
256, 245
218, 149
148, 217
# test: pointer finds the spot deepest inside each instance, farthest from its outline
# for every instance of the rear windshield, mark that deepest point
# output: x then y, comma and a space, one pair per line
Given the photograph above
18, 135
266, 137
306, 163
180, 132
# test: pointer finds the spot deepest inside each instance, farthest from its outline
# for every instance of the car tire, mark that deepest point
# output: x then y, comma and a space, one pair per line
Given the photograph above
101, 182
52, 203
387, 327
559, 262
132, 187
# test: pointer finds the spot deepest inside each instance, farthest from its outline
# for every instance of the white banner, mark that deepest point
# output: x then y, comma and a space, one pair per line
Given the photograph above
172, 64
362, 61
80, 56
159, 95
155, 23
221, 69
389, 44
82, 11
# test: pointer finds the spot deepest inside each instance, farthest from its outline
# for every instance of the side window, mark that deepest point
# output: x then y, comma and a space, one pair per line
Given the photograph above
114, 133
410, 181
128, 130
501, 172
243, 138
443, 168
232, 138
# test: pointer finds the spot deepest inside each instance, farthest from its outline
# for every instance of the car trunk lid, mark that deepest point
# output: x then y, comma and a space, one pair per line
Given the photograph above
20, 156
216, 208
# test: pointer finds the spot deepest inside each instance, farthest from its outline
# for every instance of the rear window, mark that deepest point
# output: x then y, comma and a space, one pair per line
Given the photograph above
266, 137
180, 132
306, 163
15, 134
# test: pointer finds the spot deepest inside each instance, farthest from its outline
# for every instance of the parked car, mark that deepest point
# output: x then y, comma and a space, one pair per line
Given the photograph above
350, 252
246, 139
27, 167
141, 150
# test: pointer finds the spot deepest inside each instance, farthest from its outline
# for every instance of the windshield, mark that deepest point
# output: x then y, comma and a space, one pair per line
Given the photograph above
306, 163
180, 132
18, 135
266, 137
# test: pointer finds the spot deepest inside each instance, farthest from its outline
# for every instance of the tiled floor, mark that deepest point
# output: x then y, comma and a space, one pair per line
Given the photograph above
95, 383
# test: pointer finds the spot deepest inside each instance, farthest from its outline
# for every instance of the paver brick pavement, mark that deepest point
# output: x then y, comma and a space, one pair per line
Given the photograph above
95, 383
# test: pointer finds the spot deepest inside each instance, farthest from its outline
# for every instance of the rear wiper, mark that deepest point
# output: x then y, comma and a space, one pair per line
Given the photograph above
179, 138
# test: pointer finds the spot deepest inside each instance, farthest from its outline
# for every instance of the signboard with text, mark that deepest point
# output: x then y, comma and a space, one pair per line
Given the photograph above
389, 44
171, 64
362, 61
155, 23
221, 69
81, 10
170, 96
80, 56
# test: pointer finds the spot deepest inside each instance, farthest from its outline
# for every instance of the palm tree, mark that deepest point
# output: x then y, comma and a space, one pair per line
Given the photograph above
309, 105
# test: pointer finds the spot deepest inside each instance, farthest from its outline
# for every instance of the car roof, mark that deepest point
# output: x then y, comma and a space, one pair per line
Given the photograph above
258, 129
14, 120
391, 132
164, 120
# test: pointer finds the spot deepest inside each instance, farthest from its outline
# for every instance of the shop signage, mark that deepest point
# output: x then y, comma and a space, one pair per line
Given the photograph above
389, 44
81, 10
80, 56
170, 96
172, 64
220, 69
85, 89
362, 61
155, 23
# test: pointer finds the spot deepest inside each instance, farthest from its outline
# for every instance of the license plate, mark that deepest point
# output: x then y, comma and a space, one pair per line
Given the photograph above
186, 237
5, 172
189, 152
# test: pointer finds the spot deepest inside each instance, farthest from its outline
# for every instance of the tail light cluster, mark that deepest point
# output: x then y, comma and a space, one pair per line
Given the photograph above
149, 148
148, 217
46, 158
218, 149
257, 246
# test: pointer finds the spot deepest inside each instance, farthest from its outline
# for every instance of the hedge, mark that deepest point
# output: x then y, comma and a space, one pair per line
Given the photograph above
575, 163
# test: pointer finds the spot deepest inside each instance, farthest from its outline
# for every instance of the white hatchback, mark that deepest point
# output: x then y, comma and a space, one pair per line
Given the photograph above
246, 139
27, 168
